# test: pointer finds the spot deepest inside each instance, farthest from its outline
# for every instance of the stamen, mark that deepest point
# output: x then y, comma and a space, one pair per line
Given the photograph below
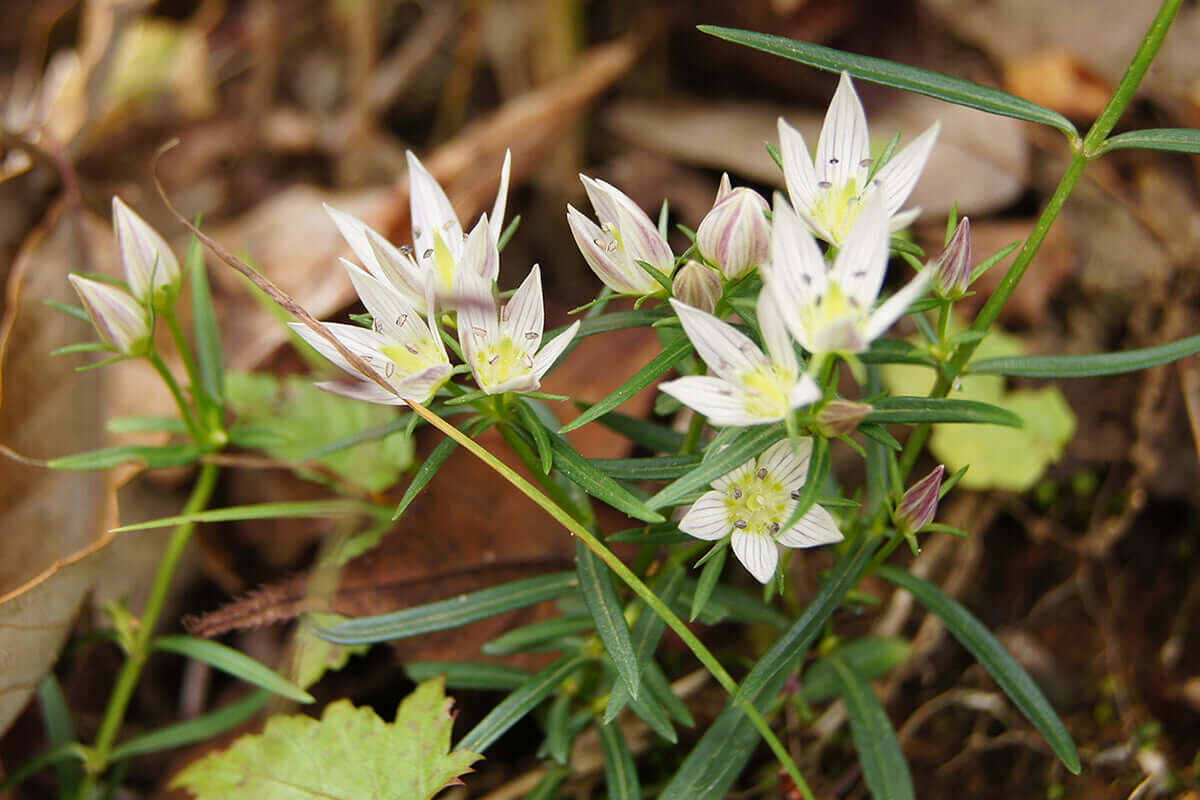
795, 494
416, 234
480, 332
866, 162
611, 247
377, 325
428, 253
527, 360
834, 161
492, 361
737, 493
825, 184
407, 249
400, 320
448, 224
389, 369
774, 528
411, 349
531, 334
762, 473
741, 524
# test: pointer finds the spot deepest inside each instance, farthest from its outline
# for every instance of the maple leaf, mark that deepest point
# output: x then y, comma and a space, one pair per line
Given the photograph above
350, 753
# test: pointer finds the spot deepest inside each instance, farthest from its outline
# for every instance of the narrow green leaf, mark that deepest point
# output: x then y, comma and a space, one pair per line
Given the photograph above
650, 435
818, 471
748, 444
879, 754
558, 736
425, 474
1088, 366
60, 730
468, 675
653, 468
917, 410
207, 334
868, 656
667, 533
143, 424
69, 750
547, 788
77, 312
600, 595
583, 474
895, 351
198, 729
512, 708
660, 689
297, 509
737, 605
646, 708
899, 76
672, 353
170, 455
232, 662
708, 580
618, 320
81, 347
1010, 676
541, 440
620, 773
1172, 140
451, 613
537, 636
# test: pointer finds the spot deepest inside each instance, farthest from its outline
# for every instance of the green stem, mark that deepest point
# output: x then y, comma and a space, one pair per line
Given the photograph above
131, 670
185, 353
185, 409
564, 518
692, 440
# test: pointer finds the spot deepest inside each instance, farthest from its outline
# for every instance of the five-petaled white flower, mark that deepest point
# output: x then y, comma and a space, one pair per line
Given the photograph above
502, 345
440, 252
828, 309
829, 192
752, 504
746, 387
624, 237
401, 347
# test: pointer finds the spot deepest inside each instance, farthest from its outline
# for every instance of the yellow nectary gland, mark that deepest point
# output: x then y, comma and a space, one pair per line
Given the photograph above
836, 208
495, 364
768, 391
413, 357
757, 504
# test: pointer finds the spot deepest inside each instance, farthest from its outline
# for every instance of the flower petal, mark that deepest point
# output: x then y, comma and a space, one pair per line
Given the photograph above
728, 352
862, 260
895, 307
797, 267
523, 317
721, 401
804, 392
381, 258
898, 177
845, 143
145, 255
775, 335
431, 211
798, 171
593, 244
394, 316
786, 465
735, 475
498, 208
367, 391
708, 518
479, 253
553, 349
364, 343
758, 554
814, 528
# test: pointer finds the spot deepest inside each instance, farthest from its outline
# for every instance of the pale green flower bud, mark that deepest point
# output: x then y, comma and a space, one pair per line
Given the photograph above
151, 269
919, 504
841, 417
735, 235
952, 270
698, 286
122, 322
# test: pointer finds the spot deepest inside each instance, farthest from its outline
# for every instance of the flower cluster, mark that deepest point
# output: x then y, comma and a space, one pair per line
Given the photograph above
825, 302
448, 274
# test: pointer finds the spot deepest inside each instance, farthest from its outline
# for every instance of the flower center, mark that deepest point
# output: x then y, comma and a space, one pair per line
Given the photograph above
836, 207
414, 356
768, 391
498, 363
833, 322
758, 504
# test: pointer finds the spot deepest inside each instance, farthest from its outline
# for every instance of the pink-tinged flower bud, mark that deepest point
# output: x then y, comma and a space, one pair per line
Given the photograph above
735, 235
151, 269
122, 322
952, 270
698, 286
919, 504
841, 417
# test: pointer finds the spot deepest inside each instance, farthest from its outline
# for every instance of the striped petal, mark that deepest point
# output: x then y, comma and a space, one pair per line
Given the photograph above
814, 528
431, 211
786, 465
708, 518
898, 177
759, 554
553, 350
845, 144
728, 352
862, 260
722, 402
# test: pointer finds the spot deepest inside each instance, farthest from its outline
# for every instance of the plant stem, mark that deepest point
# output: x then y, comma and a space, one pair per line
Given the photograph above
185, 409
631, 580
185, 352
131, 670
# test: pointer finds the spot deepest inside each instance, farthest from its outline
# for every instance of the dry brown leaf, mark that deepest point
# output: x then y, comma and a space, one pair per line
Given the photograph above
53, 522
1056, 79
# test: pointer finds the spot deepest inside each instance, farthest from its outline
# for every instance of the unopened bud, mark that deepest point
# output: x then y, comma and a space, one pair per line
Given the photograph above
841, 417
151, 269
919, 504
952, 270
122, 322
735, 235
697, 285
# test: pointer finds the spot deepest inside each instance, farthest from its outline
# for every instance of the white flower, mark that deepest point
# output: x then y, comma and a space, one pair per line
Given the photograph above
441, 248
828, 309
829, 192
151, 269
746, 387
402, 348
624, 237
735, 235
440, 251
502, 345
122, 322
753, 502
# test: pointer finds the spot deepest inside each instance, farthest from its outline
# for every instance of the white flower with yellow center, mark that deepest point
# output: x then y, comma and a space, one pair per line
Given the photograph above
624, 237
753, 503
746, 387
829, 309
400, 347
830, 190
503, 346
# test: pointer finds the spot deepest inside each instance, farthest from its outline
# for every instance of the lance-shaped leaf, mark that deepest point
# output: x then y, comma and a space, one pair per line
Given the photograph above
916, 410
1088, 366
519, 703
1171, 140
675, 351
600, 595
879, 752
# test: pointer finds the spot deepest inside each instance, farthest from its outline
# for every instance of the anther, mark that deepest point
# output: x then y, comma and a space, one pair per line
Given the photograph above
428, 253
389, 369
400, 320
795, 494
825, 184
774, 528
834, 161
416, 234
407, 249
762, 473
493, 359
737, 493
866, 162
741, 524
411, 349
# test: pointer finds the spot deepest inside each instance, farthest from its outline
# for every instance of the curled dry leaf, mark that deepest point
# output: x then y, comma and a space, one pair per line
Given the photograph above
53, 522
